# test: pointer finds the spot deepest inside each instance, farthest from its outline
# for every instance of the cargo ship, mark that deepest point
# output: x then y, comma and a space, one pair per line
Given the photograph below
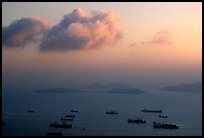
164, 125
137, 120
111, 112
62, 125
154, 111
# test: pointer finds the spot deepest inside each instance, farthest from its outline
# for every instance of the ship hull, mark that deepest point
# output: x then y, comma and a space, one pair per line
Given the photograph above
154, 111
60, 125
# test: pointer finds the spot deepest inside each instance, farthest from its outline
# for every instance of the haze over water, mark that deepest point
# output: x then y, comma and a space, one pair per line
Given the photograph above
146, 46
183, 109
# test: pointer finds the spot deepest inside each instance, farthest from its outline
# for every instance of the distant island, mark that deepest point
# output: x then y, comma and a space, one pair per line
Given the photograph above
191, 87
57, 90
106, 86
125, 91
113, 87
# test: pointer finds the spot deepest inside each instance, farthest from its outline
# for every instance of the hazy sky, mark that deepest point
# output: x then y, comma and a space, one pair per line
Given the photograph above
48, 45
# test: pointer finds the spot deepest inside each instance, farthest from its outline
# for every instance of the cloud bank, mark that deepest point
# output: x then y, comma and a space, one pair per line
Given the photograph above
23, 31
83, 30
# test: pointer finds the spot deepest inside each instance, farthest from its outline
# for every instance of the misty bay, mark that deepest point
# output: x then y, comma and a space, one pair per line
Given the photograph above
184, 109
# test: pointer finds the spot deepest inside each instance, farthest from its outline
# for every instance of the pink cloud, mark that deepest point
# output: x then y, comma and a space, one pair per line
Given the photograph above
83, 30
23, 31
162, 38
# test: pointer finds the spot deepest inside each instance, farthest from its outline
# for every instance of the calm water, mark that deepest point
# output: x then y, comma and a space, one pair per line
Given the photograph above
183, 109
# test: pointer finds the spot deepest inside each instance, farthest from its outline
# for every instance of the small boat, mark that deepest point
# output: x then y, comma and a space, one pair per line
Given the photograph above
54, 134
111, 112
164, 125
66, 119
69, 116
137, 120
163, 116
30, 111
75, 111
154, 111
62, 125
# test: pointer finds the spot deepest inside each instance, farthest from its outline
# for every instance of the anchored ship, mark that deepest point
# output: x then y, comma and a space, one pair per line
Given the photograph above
74, 111
69, 116
163, 116
137, 120
66, 119
164, 125
111, 112
31, 111
154, 111
62, 125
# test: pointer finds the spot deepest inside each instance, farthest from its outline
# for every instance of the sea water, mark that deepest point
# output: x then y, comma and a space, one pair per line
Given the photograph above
183, 109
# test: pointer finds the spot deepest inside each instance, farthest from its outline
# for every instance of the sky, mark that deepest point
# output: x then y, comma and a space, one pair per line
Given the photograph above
73, 44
